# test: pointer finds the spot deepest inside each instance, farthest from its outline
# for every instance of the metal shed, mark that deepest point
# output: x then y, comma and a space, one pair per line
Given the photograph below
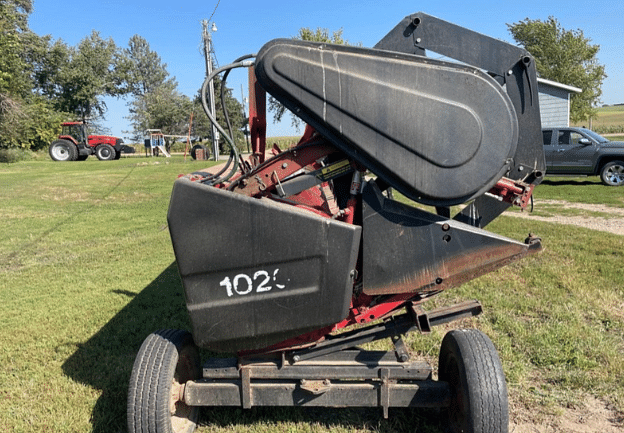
554, 99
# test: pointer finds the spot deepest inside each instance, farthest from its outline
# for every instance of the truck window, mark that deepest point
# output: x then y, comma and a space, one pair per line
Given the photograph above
547, 137
569, 138
575, 138
564, 137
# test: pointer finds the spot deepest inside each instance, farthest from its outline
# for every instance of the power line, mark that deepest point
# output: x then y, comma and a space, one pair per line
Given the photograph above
211, 42
215, 10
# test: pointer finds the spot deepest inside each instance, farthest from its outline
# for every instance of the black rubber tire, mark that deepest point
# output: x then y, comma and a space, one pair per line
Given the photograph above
166, 359
82, 157
200, 146
63, 150
117, 155
470, 364
612, 174
105, 152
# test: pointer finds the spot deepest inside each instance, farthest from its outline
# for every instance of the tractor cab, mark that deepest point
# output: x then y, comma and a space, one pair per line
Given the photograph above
76, 130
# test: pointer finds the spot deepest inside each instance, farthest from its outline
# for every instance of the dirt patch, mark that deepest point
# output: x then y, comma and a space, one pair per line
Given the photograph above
611, 225
595, 416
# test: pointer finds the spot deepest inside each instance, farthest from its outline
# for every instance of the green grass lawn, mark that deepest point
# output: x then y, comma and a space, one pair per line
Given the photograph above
87, 272
579, 190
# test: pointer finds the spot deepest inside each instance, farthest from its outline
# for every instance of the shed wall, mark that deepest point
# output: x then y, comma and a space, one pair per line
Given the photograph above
554, 106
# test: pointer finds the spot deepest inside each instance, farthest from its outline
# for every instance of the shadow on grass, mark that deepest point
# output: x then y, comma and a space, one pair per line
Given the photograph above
570, 182
105, 362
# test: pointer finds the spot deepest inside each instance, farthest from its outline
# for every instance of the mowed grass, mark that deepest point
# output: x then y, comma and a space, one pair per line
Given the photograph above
87, 272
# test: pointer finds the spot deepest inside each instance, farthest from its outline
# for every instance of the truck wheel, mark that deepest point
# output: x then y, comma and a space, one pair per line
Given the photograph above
202, 147
167, 359
612, 174
470, 364
105, 152
63, 150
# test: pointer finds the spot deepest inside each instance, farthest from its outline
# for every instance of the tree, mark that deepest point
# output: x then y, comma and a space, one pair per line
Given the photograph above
305, 34
13, 27
565, 56
90, 74
141, 69
27, 120
161, 108
48, 60
156, 102
43, 82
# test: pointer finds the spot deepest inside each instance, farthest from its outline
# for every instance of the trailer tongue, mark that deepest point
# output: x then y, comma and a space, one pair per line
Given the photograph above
279, 252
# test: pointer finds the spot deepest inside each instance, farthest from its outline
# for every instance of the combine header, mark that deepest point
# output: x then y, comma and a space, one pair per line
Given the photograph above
293, 259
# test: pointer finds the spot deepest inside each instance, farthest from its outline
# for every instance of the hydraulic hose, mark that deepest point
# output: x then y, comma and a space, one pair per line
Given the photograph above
233, 150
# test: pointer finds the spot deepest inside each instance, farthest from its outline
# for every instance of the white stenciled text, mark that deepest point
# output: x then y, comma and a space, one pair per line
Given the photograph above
244, 284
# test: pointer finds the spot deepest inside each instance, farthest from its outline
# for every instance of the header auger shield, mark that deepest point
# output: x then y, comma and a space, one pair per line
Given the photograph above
439, 132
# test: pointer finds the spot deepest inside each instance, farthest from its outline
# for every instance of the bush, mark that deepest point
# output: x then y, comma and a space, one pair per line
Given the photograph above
13, 154
609, 129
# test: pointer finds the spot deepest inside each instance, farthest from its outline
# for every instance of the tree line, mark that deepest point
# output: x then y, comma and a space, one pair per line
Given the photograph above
44, 82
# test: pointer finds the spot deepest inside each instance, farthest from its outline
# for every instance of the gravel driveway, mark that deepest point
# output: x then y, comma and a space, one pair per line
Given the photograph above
612, 224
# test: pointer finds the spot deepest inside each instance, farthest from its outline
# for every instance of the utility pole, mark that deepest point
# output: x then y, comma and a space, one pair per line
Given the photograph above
208, 49
246, 131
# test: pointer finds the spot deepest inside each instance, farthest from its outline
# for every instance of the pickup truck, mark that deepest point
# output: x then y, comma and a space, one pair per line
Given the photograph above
581, 152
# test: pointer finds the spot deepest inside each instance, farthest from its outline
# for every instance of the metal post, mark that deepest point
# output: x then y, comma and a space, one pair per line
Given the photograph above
208, 51
257, 118
246, 131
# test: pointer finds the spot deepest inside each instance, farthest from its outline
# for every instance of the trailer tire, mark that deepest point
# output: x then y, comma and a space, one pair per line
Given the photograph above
166, 360
105, 152
63, 150
470, 364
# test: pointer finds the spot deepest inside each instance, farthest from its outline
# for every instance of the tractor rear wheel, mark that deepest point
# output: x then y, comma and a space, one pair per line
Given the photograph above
470, 364
63, 150
166, 361
105, 152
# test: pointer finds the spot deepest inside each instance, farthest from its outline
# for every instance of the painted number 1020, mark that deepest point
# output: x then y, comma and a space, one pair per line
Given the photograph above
243, 284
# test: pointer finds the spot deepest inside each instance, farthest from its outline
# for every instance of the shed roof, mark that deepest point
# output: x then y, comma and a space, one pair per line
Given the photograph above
559, 85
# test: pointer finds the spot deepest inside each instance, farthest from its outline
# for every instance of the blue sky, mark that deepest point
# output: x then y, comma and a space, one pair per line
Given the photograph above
173, 30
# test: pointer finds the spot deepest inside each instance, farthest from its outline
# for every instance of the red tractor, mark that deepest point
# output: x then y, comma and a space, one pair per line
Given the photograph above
74, 144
